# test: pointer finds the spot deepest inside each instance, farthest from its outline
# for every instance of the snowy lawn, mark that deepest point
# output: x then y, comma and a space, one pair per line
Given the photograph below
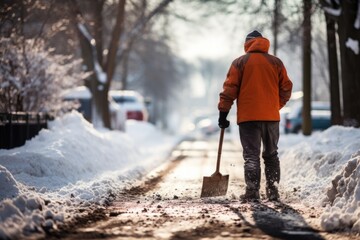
72, 165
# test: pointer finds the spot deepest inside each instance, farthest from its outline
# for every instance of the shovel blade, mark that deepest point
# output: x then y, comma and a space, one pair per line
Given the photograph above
215, 186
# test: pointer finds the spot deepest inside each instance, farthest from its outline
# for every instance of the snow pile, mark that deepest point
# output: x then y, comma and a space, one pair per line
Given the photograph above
71, 165
344, 196
69, 151
143, 132
25, 215
9, 186
324, 169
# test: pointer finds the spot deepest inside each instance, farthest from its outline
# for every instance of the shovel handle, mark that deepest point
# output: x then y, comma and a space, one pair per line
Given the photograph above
219, 150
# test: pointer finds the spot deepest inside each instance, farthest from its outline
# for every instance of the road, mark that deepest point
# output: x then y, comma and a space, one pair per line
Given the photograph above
166, 205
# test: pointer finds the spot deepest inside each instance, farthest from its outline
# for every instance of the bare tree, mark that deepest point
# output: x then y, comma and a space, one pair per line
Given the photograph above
346, 14
101, 81
160, 75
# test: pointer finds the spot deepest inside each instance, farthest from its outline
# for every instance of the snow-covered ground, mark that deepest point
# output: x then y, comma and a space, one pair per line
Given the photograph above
72, 165
324, 170
69, 166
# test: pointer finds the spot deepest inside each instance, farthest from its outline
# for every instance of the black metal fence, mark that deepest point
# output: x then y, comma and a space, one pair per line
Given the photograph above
16, 128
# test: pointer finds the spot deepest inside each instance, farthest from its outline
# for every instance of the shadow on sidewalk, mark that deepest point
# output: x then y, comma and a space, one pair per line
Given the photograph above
280, 221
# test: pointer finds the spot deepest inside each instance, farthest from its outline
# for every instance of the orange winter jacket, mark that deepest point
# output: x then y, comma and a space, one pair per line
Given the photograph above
259, 83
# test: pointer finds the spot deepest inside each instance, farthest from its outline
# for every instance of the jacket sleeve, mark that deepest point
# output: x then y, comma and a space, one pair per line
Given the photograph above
285, 87
230, 89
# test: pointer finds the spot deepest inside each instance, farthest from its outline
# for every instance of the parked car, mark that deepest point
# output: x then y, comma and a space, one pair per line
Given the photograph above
320, 117
207, 125
296, 97
132, 102
84, 97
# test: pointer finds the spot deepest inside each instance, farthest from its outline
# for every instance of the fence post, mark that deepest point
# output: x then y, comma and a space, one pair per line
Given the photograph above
10, 130
38, 122
27, 125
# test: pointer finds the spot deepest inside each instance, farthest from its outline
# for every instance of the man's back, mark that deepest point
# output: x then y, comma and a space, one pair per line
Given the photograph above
260, 81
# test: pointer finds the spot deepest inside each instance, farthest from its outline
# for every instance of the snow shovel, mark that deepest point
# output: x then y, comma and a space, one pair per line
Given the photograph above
216, 184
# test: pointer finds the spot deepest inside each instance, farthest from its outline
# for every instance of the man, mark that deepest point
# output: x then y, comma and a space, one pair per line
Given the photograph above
259, 83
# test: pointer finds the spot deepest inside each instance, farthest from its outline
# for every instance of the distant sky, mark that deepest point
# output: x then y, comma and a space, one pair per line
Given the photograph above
203, 41
206, 38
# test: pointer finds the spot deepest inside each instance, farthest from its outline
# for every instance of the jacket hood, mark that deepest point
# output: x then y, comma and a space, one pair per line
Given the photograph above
258, 44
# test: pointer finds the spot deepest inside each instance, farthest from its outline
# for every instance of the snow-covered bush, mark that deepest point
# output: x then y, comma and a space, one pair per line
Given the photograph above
32, 78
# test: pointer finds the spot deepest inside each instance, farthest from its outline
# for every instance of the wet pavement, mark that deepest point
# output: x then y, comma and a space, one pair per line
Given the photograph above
167, 205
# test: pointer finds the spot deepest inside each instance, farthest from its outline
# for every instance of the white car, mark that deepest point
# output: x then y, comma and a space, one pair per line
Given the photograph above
83, 95
132, 102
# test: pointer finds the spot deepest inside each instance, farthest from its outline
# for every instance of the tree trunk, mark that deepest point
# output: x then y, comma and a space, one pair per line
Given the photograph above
276, 24
98, 29
102, 110
336, 118
133, 33
114, 43
350, 71
306, 109
100, 89
92, 83
90, 55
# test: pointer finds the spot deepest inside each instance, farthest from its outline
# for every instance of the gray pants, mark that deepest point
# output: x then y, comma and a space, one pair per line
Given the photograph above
251, 135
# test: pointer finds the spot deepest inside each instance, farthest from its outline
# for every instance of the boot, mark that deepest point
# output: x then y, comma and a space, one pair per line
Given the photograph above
272, 193
250, 195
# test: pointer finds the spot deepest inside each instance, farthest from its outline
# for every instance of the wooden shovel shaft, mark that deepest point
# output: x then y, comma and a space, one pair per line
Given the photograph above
219, 150
216, 184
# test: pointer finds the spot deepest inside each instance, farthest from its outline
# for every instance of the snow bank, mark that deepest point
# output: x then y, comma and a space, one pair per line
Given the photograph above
9, 186
70, 150
324, 169
150, 140
344, 196
70, 165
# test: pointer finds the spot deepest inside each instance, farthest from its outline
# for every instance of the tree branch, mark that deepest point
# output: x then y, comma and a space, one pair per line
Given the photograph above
82, 29
118, 30
114, 43
44, 22
143, 21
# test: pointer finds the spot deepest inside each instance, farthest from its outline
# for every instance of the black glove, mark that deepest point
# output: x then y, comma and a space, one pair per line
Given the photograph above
223, 123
